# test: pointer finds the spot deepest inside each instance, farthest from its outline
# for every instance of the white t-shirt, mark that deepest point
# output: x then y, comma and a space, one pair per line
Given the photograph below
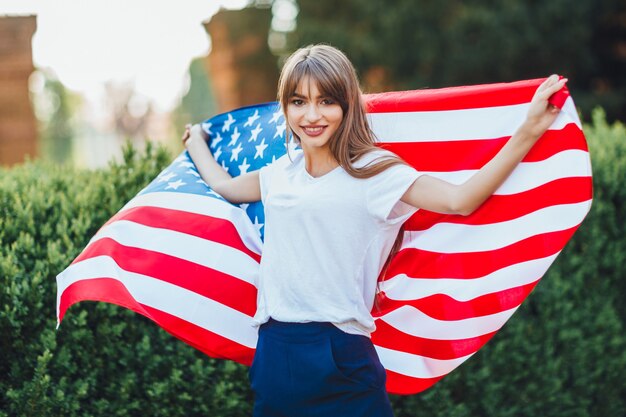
326, 241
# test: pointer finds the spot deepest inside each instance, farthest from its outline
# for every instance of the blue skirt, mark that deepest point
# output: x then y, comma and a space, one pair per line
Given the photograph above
316, 369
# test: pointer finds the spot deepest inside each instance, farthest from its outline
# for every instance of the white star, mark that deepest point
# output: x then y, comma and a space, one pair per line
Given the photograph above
252, 118
186, 164
234, 137
192, 172
260, 149
235, 154
227, 123
258, 225
276, 116
201, 181
175, 185
280, 129
243, 168
272, 161
217, 153
255, 132
224, 167
217, 139
244, 206
181, 158
166, 177
207, 127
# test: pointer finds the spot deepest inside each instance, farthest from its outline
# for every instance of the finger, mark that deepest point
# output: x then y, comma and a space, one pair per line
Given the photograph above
552, 79
547, 82
550, 90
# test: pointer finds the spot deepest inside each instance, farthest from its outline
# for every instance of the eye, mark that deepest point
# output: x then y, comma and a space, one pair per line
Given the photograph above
328, 101
297, 102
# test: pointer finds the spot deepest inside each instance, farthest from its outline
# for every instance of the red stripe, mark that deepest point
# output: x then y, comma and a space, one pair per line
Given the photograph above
501, 208
474, 154
206, 227
405, 385
202, 339
99, 289
444, 307
457, 98
223, 288
424, 264
112, 291
389, 337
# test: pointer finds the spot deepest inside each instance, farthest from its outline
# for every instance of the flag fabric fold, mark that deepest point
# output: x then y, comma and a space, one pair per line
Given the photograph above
181, 255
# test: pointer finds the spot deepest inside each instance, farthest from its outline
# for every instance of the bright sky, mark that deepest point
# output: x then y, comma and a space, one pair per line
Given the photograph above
147, 42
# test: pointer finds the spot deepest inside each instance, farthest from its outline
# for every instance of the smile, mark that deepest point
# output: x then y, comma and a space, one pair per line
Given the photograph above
313, 130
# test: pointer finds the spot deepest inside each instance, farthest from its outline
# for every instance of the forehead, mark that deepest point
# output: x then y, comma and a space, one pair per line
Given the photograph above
308, 87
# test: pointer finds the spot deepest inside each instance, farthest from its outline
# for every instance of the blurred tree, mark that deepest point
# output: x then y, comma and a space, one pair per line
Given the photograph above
404, 44
55, 106
198, 103
129, 111
242, 67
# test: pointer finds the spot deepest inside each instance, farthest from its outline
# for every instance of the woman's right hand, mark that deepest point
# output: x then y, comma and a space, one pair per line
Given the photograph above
194, 133
186, 134
245, 188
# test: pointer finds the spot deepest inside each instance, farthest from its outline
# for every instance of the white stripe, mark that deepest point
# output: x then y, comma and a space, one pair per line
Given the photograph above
461, 238
407, 319
529, 175
417, 366
166, 297
466, 124
402, 287
569, 112
204, 252
207, 206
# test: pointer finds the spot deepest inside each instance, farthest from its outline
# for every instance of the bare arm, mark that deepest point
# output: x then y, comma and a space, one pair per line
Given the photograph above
245, 188
441, 196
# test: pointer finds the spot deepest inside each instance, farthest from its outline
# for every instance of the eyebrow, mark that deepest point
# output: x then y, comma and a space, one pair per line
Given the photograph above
301, 96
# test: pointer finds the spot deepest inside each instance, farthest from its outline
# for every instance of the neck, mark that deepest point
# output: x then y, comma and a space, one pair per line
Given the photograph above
318, 162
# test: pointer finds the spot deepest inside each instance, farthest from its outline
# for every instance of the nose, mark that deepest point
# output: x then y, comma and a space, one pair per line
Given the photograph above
313, 113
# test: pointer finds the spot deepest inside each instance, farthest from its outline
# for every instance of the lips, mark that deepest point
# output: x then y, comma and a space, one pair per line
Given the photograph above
313, 130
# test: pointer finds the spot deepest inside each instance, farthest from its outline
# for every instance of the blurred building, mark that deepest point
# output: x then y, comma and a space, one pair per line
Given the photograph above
18, 126
242, 69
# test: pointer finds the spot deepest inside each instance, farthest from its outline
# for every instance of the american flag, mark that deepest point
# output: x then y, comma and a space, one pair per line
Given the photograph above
187, 259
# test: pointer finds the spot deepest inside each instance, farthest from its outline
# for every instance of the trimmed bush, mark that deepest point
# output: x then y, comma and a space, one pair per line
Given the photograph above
104, 360
563, 353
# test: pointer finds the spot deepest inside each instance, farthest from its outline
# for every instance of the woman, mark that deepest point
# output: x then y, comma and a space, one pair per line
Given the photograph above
333, 214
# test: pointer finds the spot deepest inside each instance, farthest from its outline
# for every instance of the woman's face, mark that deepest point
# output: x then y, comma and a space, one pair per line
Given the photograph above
313, 117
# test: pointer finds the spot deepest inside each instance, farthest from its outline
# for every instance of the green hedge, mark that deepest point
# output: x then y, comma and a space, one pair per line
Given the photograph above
563, 354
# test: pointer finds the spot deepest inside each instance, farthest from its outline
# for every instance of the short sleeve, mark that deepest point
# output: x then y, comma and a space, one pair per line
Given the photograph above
266, 174
386, 189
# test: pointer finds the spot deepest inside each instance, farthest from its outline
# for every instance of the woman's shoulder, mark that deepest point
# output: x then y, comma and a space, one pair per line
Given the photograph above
373, 156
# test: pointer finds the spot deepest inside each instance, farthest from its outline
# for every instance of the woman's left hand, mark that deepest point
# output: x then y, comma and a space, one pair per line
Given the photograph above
541, 114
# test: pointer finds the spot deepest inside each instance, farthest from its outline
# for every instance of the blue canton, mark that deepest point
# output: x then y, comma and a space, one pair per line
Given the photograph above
242, 141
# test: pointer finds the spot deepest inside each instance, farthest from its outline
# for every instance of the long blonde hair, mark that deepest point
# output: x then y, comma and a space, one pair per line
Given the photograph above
336, 78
